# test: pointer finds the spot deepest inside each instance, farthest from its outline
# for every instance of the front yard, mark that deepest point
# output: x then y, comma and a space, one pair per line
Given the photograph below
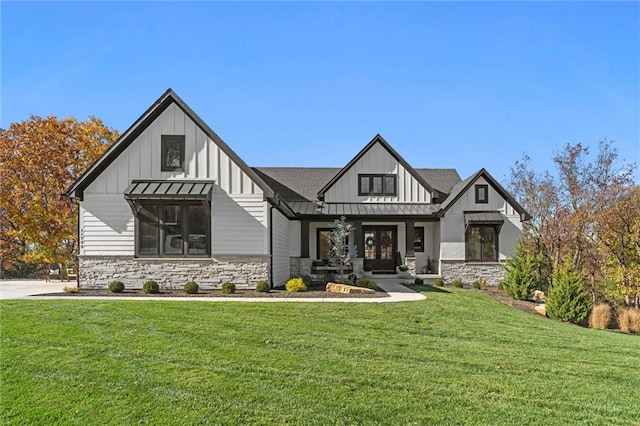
459, 357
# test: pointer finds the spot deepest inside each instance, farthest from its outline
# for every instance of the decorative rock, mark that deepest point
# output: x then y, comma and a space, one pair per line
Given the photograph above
347, 289
539, 296
541, 309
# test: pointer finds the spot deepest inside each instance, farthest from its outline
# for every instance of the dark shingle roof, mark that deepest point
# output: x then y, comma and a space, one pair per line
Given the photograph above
303, 183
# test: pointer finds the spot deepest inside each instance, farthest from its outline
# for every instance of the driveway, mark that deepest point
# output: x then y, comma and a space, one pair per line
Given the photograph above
17, 289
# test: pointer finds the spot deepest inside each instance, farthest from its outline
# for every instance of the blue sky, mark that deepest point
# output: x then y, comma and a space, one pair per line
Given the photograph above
462, 85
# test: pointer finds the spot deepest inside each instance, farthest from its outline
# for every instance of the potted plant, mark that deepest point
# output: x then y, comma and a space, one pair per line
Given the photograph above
367, 271
403, 270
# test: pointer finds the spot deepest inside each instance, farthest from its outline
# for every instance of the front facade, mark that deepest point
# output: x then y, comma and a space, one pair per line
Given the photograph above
170, 201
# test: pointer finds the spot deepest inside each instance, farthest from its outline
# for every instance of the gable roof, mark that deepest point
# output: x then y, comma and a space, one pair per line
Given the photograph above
463, 186
376, 140
76, 190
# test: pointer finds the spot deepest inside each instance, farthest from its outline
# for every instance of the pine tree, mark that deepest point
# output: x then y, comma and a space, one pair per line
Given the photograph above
521, 278
568, 301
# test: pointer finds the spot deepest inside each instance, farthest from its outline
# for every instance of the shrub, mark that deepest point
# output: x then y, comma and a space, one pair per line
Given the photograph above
191, 287
403, 268
262, 287
438, 282
228, 288
600, 316
295, 285
367, 283
567, 300
347, 282
629, 320
520, 277
418, 281
151, 287
458, 283
307, 280
367, 268
71, 289
328, 278
116, 287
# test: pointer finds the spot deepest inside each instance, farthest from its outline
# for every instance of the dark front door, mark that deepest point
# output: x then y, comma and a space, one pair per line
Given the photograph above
380, 247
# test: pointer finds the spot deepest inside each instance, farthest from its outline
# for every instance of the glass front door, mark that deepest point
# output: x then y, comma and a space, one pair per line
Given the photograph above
380, 247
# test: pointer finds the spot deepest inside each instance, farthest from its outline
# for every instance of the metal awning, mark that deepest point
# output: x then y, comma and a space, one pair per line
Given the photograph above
483, 218
169, 190
362, 209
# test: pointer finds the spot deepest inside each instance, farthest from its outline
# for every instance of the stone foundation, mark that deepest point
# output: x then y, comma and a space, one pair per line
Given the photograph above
209, 273
451, 270
410, 261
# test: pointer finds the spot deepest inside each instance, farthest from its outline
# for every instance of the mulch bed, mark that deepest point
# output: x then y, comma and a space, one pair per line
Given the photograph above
502, 296
314, 291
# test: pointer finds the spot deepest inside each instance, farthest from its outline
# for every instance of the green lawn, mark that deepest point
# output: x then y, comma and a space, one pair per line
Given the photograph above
459, 357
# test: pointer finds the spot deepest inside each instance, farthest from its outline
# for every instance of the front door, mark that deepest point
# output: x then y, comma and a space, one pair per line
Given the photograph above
380, 247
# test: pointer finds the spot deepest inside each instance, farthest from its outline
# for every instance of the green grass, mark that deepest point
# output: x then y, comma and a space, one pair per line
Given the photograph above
458, 357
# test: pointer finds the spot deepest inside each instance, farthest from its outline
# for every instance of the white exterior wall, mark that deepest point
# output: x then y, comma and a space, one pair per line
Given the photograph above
430, 251
280, 265
239, 218
452, 228
295, 238
377, 160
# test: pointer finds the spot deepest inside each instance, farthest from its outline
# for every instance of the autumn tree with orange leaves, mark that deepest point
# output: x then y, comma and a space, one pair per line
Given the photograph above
39, 159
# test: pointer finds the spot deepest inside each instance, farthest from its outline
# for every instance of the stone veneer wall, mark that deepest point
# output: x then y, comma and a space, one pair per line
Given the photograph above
469, 272
244, 271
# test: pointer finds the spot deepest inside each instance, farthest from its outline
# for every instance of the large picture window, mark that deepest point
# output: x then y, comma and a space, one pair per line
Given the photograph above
377, 185
324, 243
173, 229
482, 243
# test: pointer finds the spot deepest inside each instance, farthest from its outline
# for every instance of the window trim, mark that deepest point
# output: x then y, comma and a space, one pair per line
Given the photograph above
421, 248
496, 229
383, 177
484, 200
184, 204
164, 140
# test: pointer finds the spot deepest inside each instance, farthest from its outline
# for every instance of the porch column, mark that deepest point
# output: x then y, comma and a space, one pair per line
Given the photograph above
410, 254
304, 239
357, 235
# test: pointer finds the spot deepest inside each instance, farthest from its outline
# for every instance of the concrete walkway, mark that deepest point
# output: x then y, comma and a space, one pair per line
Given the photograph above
22, 289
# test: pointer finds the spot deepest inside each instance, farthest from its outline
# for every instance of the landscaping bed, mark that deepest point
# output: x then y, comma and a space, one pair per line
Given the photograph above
313, 292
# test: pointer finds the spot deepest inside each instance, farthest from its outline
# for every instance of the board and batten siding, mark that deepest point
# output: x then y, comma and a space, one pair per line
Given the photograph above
280, 265
377, 160
104, 208
452, 228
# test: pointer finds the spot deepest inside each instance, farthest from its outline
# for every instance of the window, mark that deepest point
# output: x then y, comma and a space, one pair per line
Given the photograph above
172, 229
324, 243
418, 239
482, 243
172, 153
377, 185
482, 194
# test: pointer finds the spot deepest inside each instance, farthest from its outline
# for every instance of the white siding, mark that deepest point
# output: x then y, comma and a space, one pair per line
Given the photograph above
295, 238
453, 230
239, 224
106, 225
378, 160
239, 219
280, 246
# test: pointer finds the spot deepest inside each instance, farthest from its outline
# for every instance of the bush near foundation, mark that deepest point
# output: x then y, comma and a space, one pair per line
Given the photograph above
438, 282
116, 287
480, 283
191, 287
600, 316
367, 283
458, 283
418, 281
295, 285
228, 288
629, 320
151, 287
262, 287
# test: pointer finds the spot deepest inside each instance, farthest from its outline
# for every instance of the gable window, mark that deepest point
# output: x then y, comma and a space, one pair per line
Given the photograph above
418, 239
171, 228
172, 153
482, 194
377, 185
482, 243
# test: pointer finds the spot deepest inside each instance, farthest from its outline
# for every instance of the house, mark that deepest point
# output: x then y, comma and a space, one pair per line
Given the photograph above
171, 201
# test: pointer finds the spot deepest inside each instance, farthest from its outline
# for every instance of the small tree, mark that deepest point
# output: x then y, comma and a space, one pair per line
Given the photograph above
340, 253
568, 301
521, 277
